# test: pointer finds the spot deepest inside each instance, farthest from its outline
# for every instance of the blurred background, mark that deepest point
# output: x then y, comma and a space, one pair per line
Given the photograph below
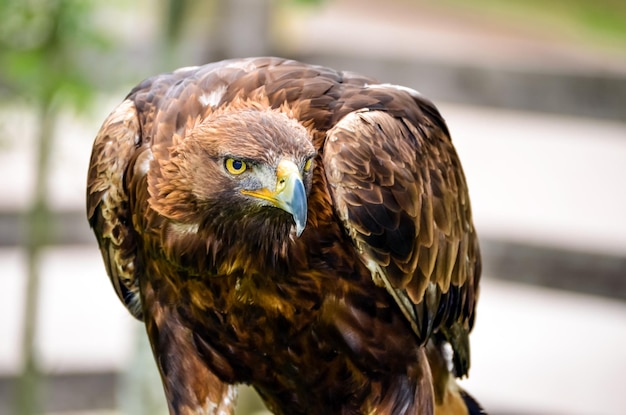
534, 93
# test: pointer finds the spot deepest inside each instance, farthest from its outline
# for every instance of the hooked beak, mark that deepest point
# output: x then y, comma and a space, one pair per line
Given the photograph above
289, 194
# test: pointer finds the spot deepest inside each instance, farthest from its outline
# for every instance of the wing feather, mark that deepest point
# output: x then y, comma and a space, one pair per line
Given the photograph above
108, 208
399, 189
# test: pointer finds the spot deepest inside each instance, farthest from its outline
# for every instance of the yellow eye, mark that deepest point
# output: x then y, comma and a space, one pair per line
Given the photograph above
307, 165
235, 166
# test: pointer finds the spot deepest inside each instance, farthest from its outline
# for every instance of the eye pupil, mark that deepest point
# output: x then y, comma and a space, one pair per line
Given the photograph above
235, 166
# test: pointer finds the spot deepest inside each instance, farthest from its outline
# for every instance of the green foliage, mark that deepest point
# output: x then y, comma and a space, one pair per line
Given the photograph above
40, 49
600, 20
309, 2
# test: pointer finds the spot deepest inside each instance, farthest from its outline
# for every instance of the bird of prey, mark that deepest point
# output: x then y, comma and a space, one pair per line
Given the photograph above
299, 229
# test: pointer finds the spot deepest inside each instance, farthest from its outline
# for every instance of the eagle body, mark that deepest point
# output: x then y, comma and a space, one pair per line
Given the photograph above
292, 227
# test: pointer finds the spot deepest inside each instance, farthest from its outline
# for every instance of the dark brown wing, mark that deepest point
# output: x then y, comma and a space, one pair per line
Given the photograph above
108, 208
398, 187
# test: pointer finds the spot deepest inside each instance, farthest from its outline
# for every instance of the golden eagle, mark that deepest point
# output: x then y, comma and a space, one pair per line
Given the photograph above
296, 228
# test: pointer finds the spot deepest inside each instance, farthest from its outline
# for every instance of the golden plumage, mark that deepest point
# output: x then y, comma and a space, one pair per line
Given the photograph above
300, 229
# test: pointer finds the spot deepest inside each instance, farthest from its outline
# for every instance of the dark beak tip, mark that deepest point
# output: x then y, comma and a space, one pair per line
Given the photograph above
299, 229
299, 208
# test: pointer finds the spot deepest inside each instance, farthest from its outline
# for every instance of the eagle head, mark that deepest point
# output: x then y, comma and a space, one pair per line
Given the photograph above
242, 171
